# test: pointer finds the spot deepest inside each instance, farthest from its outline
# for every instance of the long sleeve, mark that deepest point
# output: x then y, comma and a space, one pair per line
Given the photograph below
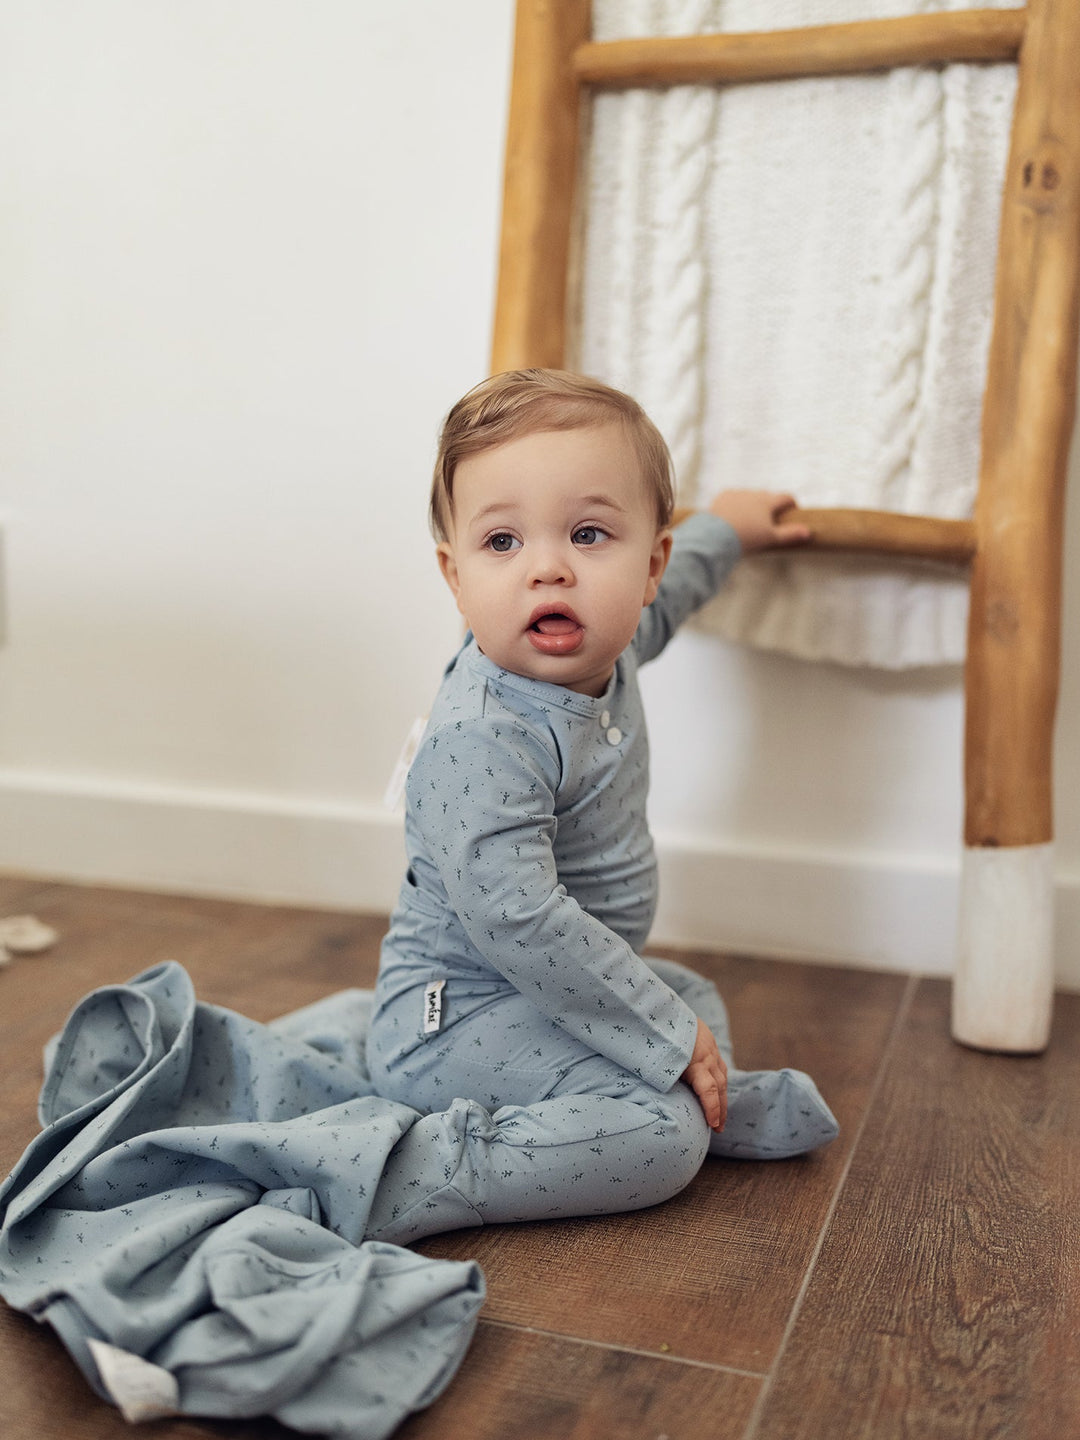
481, 793
703, 554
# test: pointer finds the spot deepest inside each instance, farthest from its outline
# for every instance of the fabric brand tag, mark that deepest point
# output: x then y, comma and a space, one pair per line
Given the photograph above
433, 1006
142, 1391
396, 787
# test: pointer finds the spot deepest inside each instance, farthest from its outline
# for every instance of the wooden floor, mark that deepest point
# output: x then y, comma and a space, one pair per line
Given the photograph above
921, 1278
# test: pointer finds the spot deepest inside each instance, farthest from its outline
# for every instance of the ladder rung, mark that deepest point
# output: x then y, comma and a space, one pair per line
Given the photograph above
884, 532
887, 533
940, 39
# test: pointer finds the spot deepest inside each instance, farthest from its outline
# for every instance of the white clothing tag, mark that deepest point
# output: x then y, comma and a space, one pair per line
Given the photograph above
396, 787
141, 1390
433, 1006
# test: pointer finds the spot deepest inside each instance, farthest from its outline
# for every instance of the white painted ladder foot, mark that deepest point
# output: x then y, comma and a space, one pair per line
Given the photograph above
1003, 990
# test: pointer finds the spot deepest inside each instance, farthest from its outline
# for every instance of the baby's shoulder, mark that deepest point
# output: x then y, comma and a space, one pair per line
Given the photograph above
473, 733
470, 737
469, 701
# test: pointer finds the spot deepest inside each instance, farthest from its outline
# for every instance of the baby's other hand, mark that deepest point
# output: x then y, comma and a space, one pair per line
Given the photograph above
756, 517
707, 1077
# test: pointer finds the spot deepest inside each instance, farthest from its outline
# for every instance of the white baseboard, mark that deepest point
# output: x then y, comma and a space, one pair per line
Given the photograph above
220, 843
893, 913
868, 912
871, 913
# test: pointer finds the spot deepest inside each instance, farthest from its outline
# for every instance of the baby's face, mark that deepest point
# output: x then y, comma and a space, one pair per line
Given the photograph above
553, 553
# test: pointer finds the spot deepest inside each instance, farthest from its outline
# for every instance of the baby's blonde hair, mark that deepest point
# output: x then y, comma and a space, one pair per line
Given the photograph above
524, 402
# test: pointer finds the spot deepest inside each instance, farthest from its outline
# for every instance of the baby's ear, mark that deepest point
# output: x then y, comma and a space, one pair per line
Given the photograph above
448, 566
661, 554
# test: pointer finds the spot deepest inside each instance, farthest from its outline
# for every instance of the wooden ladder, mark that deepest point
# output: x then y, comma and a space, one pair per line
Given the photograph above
1003, 986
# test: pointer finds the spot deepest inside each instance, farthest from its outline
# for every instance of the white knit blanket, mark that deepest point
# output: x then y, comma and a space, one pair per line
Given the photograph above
795, 279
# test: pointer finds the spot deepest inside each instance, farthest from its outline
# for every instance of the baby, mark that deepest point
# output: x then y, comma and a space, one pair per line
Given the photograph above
511, 986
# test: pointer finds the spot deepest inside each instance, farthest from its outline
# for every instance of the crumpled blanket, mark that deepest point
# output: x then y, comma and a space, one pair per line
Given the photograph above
191, 1218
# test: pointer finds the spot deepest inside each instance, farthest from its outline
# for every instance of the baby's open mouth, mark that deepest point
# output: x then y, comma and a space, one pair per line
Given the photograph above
555, 625
553, 632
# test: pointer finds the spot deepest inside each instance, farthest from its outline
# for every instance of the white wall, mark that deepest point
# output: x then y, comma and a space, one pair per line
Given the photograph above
247, 262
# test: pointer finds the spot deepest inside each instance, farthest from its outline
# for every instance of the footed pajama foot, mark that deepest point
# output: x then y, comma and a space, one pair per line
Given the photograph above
773, 1114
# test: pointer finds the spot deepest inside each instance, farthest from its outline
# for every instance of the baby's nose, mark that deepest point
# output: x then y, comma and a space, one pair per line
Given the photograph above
550, 566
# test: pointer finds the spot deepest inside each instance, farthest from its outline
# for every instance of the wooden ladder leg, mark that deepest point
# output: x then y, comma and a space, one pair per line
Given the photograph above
542, 143
1003, 990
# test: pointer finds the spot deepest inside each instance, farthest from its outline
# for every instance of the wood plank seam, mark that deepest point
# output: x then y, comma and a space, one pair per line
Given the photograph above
903, 1010
624, 1349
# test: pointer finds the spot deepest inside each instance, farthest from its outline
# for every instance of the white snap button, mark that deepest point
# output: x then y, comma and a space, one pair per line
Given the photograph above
605, 719
614, 735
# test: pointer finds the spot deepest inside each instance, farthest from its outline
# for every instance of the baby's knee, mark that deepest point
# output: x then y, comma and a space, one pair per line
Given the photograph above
678, 1144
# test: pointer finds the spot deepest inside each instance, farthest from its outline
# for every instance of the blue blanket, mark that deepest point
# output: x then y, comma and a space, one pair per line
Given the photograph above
191, 1218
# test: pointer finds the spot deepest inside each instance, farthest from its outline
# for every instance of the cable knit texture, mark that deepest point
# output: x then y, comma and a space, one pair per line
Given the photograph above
796, 281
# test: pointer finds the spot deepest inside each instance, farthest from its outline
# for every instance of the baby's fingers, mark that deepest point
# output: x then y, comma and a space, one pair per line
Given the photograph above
778, 501
786, 529
723, 1097
791, 534
711, 1090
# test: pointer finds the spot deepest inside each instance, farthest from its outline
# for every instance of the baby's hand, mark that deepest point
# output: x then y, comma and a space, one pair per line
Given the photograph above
754, 515
707, 1077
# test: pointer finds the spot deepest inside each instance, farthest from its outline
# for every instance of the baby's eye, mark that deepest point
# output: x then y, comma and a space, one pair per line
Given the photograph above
502, 542
589, 535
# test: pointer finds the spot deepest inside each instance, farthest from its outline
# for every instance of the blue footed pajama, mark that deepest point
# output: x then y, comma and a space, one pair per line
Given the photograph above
551, 1129
513, 1005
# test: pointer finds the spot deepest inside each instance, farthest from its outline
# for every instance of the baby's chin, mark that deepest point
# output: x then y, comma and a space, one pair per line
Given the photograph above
570, 671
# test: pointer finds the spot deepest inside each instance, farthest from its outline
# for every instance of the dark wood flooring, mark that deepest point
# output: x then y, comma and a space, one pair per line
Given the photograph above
920, 1278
